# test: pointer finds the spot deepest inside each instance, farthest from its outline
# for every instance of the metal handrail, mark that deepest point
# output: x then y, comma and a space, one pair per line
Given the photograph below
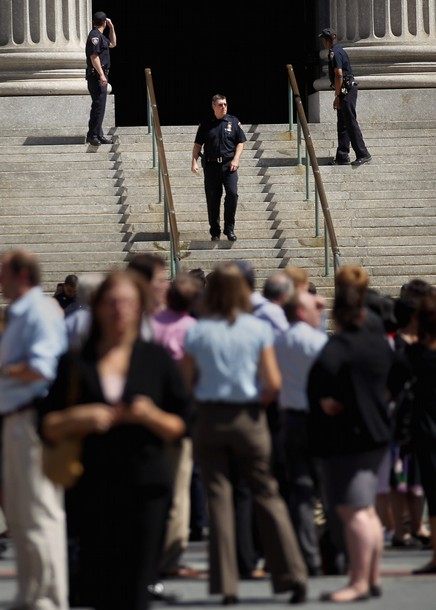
311, 158
170, 220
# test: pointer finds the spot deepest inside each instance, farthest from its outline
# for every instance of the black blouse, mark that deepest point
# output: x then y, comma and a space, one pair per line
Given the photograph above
127, 454
354, 369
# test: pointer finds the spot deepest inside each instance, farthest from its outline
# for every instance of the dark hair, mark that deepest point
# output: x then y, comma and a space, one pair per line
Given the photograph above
99, 18
226, 292
19, 261
199, 274
183, 292
347, 307
146, 264
218, 96
384, 307
71, 280
410, 297
427, 317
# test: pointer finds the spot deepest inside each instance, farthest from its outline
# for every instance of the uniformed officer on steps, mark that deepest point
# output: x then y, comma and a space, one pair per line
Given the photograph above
97, 70
342, 81
223, 140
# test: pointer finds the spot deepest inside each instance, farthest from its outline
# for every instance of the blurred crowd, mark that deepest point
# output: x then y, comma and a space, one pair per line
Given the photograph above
294, 435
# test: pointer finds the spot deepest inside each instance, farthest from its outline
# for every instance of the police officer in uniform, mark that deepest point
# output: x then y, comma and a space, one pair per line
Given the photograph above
223, 140
342, 81
97, 70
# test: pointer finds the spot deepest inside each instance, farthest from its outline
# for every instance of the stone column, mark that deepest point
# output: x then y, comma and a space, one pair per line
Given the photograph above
391, 43
42, 46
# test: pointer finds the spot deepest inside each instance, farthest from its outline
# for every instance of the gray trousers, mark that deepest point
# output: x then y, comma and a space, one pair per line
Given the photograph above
223, 432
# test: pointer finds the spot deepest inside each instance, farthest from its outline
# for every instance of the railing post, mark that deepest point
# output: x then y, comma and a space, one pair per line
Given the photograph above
299, 156
160, 182
291, 108
155, 155
149, 114
326, 250
316, 212
166, 227
307, 174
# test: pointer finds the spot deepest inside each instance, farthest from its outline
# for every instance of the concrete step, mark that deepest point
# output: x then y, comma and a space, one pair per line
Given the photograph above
49, 173
60, 192
71, 220
80, 229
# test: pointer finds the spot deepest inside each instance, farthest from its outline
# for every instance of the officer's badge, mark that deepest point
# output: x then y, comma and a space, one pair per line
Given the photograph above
229, 126
95, 41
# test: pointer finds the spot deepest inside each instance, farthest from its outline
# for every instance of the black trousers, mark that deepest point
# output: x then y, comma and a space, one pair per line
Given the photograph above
119, 542
98, 95
217, 176
348, 128
301, 485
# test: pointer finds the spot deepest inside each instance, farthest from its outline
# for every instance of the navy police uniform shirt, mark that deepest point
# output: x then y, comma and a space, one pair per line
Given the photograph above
338, 58
98, 44
220, 136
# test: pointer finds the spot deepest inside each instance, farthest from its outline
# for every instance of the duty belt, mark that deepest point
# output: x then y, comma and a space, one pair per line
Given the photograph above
218, 159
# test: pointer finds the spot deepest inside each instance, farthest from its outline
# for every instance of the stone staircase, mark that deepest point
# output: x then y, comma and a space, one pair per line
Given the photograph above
274, 223
64, 201
85, 209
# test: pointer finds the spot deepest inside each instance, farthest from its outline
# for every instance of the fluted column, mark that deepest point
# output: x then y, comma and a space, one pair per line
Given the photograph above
391, 43
42, 46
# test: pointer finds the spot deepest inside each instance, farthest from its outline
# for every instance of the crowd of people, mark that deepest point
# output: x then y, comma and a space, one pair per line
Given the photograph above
302, 443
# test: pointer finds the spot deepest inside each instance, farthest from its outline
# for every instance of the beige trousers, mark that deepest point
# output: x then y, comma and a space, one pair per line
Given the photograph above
177, 527
35, 516
223, 432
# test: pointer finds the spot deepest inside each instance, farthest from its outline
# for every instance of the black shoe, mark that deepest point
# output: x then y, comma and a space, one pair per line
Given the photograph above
215, 238
230, 600
104, 140
3, 548
361, 160
93, 141
299, 593
230, 235
376, 591
429, 568
339, 162
196, 534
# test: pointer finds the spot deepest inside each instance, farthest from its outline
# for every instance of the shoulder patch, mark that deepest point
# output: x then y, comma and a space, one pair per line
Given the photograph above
95, 41
239, 124
331, 54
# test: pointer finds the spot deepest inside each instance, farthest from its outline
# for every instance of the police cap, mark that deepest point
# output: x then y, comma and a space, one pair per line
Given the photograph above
328, 33
99, 18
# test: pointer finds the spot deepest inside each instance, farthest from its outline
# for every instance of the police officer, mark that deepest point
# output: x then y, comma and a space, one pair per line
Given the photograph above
97, 70
223, 140
342, 81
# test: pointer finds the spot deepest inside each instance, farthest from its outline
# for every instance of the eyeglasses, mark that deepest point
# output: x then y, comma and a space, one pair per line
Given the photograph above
222, 104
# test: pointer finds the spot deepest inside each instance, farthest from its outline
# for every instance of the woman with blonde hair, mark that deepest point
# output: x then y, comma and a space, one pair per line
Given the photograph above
350, 430
229, 355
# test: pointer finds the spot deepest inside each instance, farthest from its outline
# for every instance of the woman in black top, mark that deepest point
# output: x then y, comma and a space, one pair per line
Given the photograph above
422, 356
349, 428
130, 401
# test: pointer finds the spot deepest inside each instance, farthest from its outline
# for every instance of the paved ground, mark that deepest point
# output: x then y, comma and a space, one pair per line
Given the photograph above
401, 590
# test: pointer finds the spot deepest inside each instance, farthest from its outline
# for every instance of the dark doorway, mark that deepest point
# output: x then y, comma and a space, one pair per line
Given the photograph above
199, 49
